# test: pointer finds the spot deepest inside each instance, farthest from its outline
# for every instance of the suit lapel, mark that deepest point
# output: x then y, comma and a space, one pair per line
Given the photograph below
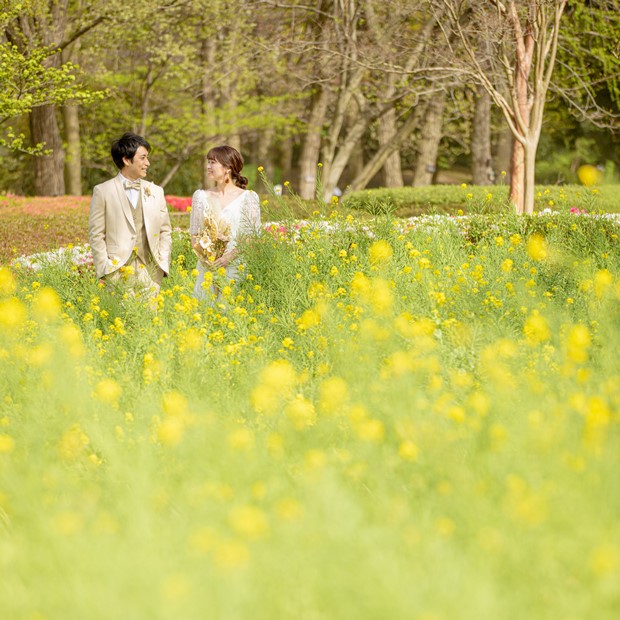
148, 205
124, 202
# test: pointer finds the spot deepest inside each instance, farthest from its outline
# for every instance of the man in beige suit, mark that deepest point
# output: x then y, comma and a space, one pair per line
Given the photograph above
129, 227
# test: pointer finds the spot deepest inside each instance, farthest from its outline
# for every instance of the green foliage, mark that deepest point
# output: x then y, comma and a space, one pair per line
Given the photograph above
27, 81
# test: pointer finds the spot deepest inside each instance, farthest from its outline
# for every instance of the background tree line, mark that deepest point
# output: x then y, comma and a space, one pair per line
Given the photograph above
379, 93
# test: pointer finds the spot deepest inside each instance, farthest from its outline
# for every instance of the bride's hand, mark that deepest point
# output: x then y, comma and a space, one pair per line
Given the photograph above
222, 261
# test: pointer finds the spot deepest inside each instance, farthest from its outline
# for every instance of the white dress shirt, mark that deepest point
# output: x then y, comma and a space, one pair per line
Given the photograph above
132, 194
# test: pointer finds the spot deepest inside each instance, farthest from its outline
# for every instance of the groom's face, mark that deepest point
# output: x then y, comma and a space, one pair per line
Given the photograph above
137, 167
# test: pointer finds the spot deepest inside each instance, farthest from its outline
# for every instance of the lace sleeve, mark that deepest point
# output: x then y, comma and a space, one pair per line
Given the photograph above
199, 202
250, 214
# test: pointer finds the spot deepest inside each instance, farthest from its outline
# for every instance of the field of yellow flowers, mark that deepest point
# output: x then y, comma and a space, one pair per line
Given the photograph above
414, 419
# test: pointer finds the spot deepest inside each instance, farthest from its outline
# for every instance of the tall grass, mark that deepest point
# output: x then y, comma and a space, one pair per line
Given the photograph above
379, 421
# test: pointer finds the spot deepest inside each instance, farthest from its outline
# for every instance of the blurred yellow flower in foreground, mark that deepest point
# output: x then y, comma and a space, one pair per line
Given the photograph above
380, 252
605, 560
300, 412
280, 375
536, 328
589, 175
175, 404
170, 431
603, 280
7, 443
537, 247
578, 342
71, 337
7, 282
73, 443
333, 394
46, 303
12, 313
108, 391
249, 522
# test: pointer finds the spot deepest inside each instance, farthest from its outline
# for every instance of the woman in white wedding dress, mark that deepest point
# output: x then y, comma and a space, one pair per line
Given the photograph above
230, 204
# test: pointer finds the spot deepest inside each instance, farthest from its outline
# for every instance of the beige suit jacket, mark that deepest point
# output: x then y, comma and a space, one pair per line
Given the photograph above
111, 228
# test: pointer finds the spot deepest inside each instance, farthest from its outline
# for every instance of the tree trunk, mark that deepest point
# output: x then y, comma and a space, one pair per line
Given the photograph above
312, 146
286, 158
503, 152
482, 165
207, 56
48, 169
426, 164
517, 176
71, 122
373, 166
350, 141
529, 179
263, 151
392, 171
73, 161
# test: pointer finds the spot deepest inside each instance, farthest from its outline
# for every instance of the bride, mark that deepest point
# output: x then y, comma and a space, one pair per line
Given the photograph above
233, 208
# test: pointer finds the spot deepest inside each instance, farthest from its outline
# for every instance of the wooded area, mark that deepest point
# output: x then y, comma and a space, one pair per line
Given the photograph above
378, 93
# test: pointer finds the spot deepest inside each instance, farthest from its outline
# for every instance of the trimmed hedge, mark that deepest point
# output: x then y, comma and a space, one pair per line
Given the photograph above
405, 201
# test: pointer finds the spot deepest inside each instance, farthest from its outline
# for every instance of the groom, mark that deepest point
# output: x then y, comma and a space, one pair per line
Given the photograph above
129, 227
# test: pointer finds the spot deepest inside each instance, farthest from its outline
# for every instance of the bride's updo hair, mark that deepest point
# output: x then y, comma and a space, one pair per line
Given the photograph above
230, 158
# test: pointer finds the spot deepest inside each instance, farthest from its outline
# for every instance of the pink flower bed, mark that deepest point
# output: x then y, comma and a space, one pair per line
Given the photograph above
179, 203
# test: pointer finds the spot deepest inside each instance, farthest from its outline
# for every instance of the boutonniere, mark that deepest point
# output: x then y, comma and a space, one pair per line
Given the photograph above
147, 191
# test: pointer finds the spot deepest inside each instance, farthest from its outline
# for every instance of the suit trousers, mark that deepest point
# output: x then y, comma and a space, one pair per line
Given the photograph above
137, 276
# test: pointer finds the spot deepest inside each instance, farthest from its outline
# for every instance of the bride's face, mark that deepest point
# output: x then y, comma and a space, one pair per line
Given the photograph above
215, 170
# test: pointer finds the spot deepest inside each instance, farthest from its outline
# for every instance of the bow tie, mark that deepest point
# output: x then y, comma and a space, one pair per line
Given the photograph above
132, 184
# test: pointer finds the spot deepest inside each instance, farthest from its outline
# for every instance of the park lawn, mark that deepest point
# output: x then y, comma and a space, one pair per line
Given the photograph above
33, 224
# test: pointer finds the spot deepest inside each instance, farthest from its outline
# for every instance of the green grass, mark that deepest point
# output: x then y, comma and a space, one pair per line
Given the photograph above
376, 423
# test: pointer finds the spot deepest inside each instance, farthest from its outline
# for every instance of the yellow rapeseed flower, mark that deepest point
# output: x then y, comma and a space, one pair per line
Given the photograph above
578, 341
370, 430
73, 443
301, 412
175, 404
380, 253
231, 554
7, 443
280, 375
46, 303
7, 282
408, 451
108, 391
537, 247
71, 337
265, 399
249, 522
12, 313
589, 175
333, 394
170, 430
381, 296
289, 509
241, 439
603, 281
310, 318
536, 328
605, 560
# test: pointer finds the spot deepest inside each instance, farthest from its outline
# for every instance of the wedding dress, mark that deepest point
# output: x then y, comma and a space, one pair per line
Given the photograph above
241, 215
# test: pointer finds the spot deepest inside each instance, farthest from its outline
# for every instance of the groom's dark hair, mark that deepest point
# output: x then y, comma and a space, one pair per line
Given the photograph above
126, 146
